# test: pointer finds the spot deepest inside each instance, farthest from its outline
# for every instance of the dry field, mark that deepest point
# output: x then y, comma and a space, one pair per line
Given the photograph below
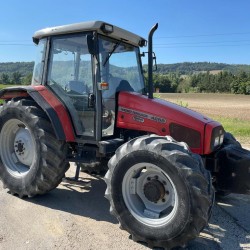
222, 106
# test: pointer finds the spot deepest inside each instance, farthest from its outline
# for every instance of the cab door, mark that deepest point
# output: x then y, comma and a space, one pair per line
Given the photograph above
70, 78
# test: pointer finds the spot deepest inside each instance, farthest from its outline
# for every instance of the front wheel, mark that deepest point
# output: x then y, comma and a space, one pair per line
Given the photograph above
229, 141
159, 192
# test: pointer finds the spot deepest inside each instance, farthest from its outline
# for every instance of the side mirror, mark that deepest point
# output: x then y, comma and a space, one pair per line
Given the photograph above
92, 48
154, 63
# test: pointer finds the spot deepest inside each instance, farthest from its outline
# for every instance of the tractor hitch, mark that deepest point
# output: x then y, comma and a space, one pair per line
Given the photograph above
233, 165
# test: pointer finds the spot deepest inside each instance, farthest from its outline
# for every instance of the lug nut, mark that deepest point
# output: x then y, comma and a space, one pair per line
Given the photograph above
167, 192
163, 200
148, 178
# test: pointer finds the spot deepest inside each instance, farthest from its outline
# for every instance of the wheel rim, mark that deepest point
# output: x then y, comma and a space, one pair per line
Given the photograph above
18, 152
149, 194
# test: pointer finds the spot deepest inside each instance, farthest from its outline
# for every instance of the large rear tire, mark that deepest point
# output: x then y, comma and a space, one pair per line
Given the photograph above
159, 191
32, 160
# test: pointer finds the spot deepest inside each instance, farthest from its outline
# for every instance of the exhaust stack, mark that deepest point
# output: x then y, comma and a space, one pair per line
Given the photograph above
150, 61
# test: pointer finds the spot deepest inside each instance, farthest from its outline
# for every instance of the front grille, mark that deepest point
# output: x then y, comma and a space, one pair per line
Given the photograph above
185, 134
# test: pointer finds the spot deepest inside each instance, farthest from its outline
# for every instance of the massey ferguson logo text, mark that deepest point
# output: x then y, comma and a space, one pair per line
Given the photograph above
142, 115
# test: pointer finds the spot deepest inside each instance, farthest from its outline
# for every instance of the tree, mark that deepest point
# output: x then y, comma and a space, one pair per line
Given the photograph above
5, 79
16, 78
163, 83
27, 79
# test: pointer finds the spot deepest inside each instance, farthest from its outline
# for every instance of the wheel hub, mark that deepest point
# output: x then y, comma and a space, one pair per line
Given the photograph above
23, 146
19, 147
154, 190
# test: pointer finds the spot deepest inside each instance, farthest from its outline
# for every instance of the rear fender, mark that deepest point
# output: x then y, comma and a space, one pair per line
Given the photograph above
52, 106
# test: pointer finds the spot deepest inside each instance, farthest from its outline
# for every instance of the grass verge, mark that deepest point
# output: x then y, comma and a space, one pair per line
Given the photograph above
2, 86
238, 127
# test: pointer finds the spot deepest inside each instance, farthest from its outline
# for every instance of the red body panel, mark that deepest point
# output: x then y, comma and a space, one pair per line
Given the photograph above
60, 110
13, 94
138, 112
208, 135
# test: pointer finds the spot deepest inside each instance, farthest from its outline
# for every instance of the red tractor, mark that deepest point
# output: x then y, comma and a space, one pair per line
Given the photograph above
88, 104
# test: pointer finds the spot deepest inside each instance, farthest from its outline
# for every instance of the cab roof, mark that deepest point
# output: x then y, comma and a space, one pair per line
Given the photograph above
98, 26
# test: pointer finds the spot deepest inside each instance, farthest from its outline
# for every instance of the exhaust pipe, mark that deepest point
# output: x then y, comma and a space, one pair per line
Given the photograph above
150, 61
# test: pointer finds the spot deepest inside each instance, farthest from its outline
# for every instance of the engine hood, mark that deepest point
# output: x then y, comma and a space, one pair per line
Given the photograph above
161, 117
167, 111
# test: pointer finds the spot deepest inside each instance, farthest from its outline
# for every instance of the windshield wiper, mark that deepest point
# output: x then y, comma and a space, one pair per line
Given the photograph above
112, 51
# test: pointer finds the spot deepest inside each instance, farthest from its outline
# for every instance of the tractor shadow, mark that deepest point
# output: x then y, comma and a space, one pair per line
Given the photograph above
84, 198
229, 225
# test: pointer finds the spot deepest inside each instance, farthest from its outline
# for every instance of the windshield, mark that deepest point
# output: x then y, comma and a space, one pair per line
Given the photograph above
120, 67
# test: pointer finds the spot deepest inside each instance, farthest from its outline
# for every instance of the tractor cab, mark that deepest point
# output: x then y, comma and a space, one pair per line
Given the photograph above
87, 64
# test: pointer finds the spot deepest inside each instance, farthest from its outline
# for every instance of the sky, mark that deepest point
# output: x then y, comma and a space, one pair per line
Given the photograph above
189, 30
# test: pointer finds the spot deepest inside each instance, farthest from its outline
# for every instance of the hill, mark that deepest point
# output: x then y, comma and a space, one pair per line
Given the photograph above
186, 68
24, 68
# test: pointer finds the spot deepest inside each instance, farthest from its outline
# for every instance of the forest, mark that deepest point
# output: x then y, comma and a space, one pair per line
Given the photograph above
16, 73
199, 77
221, 82
202, 77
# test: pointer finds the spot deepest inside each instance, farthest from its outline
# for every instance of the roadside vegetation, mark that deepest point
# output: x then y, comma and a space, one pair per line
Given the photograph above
208, 82
238, 127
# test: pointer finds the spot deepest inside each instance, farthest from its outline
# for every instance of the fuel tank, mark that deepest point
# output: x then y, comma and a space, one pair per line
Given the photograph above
138, 112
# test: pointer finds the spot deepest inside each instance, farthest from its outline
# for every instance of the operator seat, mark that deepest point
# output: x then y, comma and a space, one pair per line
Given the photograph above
124, 86
77, 87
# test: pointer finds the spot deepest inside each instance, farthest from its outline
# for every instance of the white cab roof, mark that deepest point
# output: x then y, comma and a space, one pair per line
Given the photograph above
117, 33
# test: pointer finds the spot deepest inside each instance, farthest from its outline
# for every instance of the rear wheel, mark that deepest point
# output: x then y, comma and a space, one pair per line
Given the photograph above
159, 192
32, 160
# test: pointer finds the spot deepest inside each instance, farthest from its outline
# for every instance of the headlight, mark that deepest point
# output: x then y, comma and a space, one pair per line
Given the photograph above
222, 138
217, 137
216, 141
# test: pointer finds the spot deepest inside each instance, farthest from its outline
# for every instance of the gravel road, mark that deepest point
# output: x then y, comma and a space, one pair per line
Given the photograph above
77, 217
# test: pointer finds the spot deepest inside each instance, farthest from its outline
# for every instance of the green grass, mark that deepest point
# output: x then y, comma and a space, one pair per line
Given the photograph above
235, 126
2, 86
238, 127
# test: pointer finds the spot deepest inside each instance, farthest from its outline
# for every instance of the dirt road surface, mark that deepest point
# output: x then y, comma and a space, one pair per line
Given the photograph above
77, 217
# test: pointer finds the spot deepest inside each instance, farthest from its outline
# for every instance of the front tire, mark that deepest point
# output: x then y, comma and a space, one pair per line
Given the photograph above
32, 160
159, 192
229, 141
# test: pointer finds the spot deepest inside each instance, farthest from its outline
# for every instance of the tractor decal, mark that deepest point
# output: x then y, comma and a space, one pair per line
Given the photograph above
140, 116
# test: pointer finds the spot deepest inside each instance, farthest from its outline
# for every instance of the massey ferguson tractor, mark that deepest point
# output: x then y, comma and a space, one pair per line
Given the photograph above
88, 104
